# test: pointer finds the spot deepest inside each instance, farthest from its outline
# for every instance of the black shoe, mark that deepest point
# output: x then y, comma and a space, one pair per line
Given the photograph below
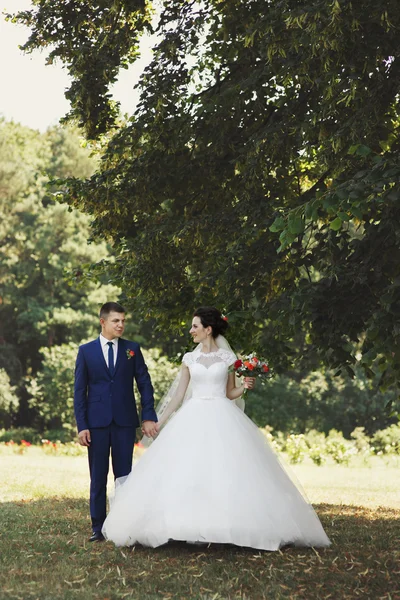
97, 536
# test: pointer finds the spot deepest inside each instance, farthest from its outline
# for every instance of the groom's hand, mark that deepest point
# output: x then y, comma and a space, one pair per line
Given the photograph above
84, 437
149, 428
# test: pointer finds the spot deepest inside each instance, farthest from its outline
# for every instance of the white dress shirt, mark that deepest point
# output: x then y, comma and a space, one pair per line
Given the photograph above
105, 347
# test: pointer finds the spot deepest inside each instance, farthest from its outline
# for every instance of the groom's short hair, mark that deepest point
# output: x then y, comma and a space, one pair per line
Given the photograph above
110, 307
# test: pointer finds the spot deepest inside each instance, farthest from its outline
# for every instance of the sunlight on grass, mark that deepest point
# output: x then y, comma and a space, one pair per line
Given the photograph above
35, 475
45, 555
371, 486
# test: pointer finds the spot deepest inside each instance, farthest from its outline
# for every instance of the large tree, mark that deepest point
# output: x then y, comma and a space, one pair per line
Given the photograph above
259, 172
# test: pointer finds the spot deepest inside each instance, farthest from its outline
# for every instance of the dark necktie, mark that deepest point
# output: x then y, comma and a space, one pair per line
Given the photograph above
110, 358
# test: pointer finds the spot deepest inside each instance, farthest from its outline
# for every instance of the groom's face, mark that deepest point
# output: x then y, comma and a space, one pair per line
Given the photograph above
113, 325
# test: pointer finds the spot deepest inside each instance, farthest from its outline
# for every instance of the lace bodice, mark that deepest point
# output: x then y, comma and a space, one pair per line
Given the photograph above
209, 372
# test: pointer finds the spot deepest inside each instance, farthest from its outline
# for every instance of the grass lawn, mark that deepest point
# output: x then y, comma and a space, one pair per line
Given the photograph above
44, 553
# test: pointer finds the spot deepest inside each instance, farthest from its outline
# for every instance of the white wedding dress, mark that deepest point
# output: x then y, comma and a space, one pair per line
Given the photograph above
211, 476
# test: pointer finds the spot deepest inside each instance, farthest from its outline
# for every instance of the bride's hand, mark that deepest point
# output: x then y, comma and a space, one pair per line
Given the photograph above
149, 428
249, 383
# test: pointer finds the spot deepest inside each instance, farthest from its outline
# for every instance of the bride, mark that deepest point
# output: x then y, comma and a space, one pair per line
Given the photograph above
210, 475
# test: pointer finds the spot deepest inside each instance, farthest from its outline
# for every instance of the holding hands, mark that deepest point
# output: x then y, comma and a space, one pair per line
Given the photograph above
150, 428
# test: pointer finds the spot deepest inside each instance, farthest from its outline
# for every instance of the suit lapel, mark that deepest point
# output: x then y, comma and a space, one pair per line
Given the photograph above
120, 353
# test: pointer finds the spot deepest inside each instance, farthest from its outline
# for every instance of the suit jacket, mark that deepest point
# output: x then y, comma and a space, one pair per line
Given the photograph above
100, 398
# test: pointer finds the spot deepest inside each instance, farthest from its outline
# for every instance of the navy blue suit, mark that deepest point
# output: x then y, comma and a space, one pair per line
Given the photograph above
106, 406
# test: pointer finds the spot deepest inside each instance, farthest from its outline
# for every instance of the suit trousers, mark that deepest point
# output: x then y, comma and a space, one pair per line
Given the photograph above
120, 440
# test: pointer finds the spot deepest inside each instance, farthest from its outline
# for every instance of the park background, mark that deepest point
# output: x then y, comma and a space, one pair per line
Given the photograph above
287, 223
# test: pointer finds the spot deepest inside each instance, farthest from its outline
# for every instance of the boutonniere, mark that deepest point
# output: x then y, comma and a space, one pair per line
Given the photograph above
130, 353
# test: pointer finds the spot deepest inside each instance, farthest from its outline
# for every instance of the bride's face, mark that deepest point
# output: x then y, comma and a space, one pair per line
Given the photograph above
198, 332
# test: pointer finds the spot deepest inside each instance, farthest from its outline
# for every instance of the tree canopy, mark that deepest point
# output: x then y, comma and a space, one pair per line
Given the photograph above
259, 172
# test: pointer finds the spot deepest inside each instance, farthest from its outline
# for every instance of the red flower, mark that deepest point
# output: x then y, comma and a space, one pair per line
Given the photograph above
25, 443
130, 353
254, 360
248, 365
238, 363
224, 318
265, 368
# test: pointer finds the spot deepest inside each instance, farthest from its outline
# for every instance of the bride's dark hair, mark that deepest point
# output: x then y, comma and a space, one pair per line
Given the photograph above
212, 317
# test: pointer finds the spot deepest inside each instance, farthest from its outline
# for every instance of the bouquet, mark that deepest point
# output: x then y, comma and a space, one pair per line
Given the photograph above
251, 366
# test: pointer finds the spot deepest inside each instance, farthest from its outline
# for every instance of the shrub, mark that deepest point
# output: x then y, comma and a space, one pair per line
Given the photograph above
296, 448
317, 451
340, 449
13, 447
387, 441
318, 455
319, 400
361, 440
52, 390
60, 449
20, 433
60, 435
8, 400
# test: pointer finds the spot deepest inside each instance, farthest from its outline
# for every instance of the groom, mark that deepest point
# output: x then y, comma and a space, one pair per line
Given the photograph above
105, 408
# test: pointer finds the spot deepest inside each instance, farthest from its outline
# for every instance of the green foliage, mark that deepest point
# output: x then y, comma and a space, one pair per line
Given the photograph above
8, 400
58, 448
40, 242
63, 436
334, 447
18, 434
52, 390
93, 61
362, 441
320, 401
340, 449
161, 370
259, 172
387, 441
317, 451
296, 448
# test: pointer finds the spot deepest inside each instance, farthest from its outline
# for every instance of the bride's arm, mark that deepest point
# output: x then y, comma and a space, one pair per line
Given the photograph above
233, 392
184, 378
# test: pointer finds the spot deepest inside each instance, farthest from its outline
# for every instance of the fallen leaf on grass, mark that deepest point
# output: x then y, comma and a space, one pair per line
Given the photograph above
74, 581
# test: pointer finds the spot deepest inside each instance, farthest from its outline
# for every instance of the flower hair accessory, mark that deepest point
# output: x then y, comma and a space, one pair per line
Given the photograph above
130, 353
224, 318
